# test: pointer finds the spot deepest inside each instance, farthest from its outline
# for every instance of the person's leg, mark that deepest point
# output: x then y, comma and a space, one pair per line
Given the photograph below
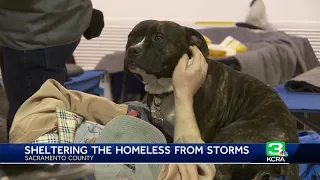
24, 72
47, 64
4, 109
14, 79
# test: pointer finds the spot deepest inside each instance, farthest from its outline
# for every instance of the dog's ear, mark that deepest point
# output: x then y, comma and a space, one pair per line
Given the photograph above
195, 38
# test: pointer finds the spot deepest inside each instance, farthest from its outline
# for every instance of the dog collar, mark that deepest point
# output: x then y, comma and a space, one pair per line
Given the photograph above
154, 103
162, 96
150, 97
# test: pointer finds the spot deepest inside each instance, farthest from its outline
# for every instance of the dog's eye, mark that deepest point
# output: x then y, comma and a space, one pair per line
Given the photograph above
158, 38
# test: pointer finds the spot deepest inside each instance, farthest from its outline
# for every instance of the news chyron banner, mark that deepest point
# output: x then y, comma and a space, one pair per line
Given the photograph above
270, 152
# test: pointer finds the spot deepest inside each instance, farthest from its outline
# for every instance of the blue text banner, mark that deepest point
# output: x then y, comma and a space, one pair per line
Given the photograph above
271, 152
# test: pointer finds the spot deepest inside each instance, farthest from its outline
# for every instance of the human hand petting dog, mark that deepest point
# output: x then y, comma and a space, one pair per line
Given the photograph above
187, 79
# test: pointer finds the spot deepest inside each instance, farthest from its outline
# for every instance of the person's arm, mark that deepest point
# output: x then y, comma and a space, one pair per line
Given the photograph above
186, 82
187, 79
185, 123
37, 115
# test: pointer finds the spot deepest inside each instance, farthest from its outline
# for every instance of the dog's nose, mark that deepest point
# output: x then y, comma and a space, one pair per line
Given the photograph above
134, 51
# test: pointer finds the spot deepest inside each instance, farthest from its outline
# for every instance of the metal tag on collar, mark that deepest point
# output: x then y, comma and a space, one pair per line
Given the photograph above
156, 116
156, 112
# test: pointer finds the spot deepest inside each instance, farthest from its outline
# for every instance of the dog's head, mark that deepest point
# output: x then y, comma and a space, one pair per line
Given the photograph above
154, 49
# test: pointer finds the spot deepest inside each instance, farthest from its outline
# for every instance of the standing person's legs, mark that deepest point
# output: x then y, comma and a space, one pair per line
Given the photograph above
4, 109
24, 72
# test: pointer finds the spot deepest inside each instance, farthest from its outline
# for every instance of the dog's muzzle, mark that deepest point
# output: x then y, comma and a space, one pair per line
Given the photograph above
134, 51
138, 76
133, 69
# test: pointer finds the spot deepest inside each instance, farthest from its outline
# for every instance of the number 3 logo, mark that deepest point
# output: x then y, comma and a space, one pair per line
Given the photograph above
275, 148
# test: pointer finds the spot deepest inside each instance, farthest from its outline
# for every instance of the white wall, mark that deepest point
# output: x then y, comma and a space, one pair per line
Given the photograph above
296, 17
213, 10
293, 10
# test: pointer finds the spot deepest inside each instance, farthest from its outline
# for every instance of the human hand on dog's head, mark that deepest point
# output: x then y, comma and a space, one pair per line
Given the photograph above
187, 79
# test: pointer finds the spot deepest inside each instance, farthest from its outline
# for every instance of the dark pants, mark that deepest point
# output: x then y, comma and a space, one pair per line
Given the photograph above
24, 72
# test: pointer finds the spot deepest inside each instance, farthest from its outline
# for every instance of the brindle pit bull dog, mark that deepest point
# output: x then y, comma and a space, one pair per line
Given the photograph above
231, 107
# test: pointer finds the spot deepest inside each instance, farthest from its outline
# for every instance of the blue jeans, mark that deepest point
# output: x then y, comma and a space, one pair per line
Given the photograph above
24, 72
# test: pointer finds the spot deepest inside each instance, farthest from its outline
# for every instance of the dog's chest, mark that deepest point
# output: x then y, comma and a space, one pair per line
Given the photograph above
166, 111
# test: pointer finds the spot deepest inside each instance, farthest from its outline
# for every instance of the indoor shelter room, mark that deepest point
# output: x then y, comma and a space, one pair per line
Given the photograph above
274, 41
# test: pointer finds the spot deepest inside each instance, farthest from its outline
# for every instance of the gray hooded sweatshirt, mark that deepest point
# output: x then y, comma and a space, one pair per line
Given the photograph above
36, 24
